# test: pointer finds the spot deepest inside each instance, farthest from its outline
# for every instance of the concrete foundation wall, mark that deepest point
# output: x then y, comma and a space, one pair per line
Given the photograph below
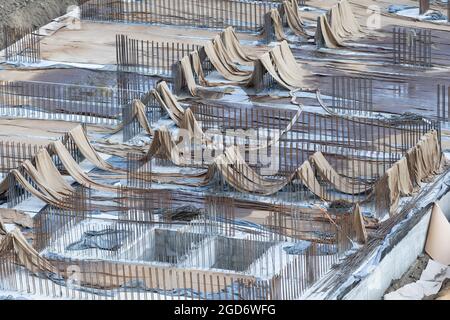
398, 261
394, 264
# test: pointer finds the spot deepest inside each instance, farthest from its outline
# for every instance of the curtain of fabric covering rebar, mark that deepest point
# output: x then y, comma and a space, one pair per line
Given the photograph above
420, 162
293, 18
235, 50
343, 25
325, 37
278, 62
277, 24
168, 102
23, 253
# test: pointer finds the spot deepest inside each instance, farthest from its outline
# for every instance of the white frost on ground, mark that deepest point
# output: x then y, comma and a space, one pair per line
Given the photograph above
46, 64
414, 13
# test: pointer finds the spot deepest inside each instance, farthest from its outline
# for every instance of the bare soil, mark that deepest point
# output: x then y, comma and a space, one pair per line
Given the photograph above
30, 13
412, 275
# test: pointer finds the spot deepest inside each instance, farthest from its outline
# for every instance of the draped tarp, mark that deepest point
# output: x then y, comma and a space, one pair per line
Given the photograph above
347, 19
24, 254
191, 125
221, 58
425, 158
185, 119
325, 37
341, 183
49, 192
50, 198
405, 185
395, 182
307, 176
188, 75
76, 172
226, 56
358, 225
438, 237
139, 113
293, 18
3, 231
189, 69
46, 189
237, 173
168, 102
279, 63
343, 24
236, 52
16, 217
242, 177
87, 150
421, 162
223, 65
336, 23
46, 167
43, 184
277, 24
197, 68
194, 130
288, 69
164, 146
294, 6
282, 67
387, 193
267, 62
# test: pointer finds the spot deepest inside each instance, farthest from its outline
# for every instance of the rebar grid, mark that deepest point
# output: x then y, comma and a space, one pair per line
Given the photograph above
378, 144
149, 57
139, 173
412, 47
12, 154
284, 265
16, 193
56, 101
243, 16
22, 45
443, 103
352, 95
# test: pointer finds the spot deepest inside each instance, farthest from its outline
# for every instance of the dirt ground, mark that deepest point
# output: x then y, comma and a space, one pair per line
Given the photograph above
27, 13
84, 46
412, 275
